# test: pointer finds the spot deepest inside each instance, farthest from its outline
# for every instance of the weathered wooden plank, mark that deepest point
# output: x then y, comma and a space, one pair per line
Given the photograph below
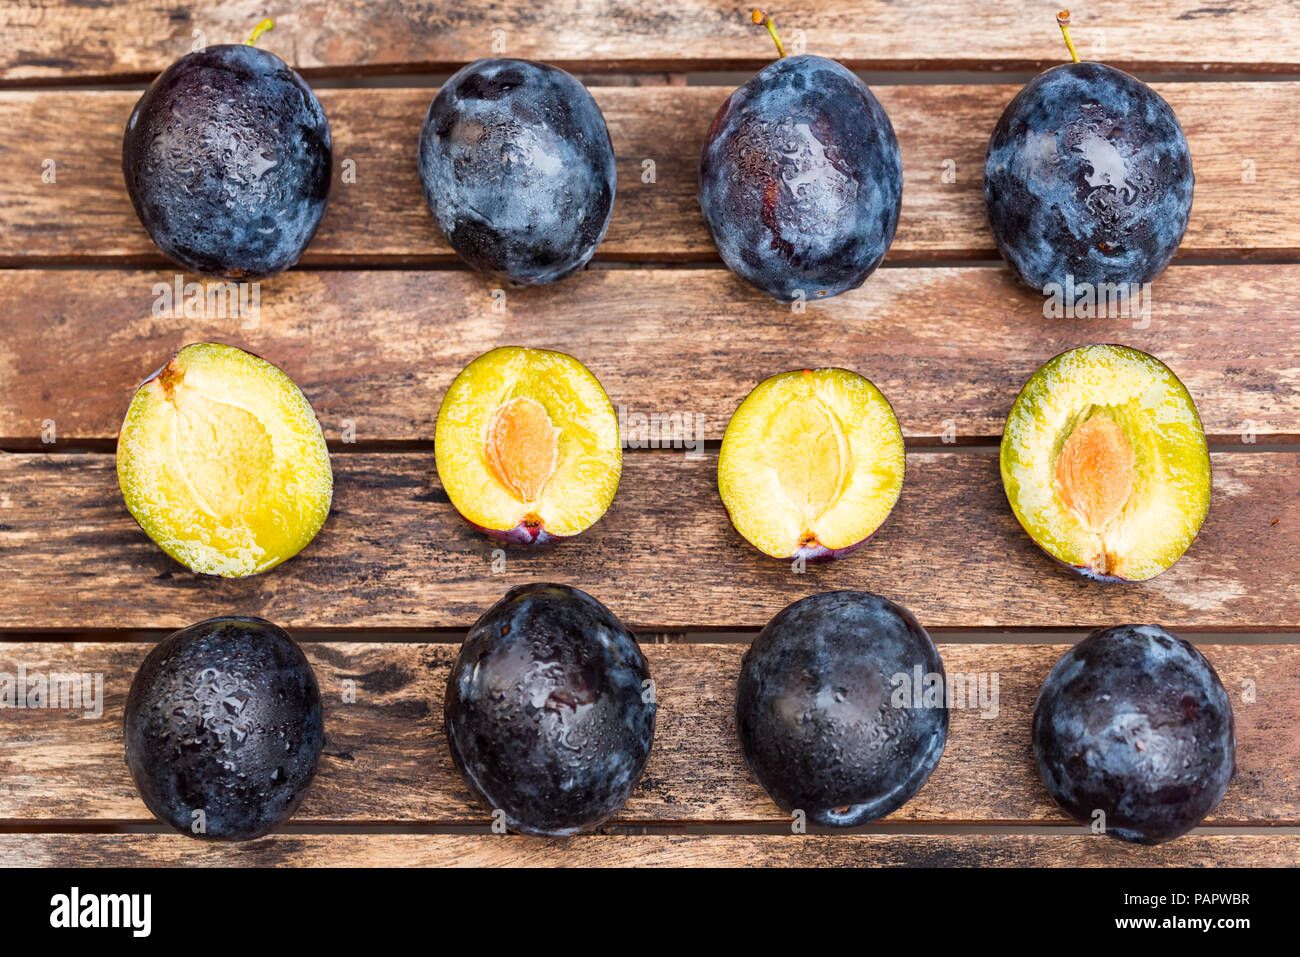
386, 757
678, 850
1240, 134
394, 554
62, 40
950, 347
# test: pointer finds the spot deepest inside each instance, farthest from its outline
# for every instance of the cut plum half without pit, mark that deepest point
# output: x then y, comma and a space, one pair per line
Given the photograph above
527, 445
1105, 463
222, 462
811, 464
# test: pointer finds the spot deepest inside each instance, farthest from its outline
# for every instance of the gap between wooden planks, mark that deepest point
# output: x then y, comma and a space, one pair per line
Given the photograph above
1242, 141
394, 554
949, 347
386, 758
738, 850
52, 40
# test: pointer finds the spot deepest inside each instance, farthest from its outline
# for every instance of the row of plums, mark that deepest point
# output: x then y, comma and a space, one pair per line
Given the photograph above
223, 462
841, 709
1088, 178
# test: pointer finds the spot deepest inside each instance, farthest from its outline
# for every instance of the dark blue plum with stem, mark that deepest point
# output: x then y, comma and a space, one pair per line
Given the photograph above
831, 718
1133, 722
550, 711
224, 729
801, 180
227, 160
1088, 179
518, 169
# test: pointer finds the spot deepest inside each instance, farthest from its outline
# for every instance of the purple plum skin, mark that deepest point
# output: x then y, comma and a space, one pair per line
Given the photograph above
227, 159
1088, 174
224, 717
1135, 723
518, 169
549, 710
820, 554
525, 536
801, 180
815, 712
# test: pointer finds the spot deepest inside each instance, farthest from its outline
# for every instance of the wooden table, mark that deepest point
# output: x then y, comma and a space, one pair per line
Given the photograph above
380, 317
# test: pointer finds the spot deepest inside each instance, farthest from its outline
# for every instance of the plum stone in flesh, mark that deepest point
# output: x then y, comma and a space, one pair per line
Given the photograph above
1105, 462
518, 169
825, 723
227, 159
527, 445
224, 717
1134, 722
1088, 176
801, 180
550, 713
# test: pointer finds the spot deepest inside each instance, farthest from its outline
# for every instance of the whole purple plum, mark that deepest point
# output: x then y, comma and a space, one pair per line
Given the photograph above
223, 726
1088, 179
550, 712
826, 711
1134, 723
227, 160
801, 180
518, 169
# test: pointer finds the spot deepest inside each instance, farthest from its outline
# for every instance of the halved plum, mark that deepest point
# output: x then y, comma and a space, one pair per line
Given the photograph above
1105, 463
527, 445
222, 462
811, 464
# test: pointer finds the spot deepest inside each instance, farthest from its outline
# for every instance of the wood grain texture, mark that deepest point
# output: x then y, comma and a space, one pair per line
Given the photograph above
395, 554
838, 850
386, 758
62, 39
1234, 129
950, 347
376, 350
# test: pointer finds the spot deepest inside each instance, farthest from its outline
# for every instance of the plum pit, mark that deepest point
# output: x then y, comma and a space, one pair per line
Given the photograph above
1095, 471
523, 447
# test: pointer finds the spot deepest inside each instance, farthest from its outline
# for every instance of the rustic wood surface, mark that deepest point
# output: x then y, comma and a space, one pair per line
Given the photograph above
48, 41
1241, 136
386, 758
395, 554
949, 347
383, 315
676, 850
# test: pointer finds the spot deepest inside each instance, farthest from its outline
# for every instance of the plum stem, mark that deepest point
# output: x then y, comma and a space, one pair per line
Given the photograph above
265, 25
1063, 21
762, 18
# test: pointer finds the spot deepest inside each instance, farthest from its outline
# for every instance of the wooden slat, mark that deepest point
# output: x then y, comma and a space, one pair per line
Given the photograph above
950, 347
460, 850
46, 40
381, 218
395, 554
386, 758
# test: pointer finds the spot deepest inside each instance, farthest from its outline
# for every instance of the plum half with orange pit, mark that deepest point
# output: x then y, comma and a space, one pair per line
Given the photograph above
1105, 463
222, 462
527, 445
811, 464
